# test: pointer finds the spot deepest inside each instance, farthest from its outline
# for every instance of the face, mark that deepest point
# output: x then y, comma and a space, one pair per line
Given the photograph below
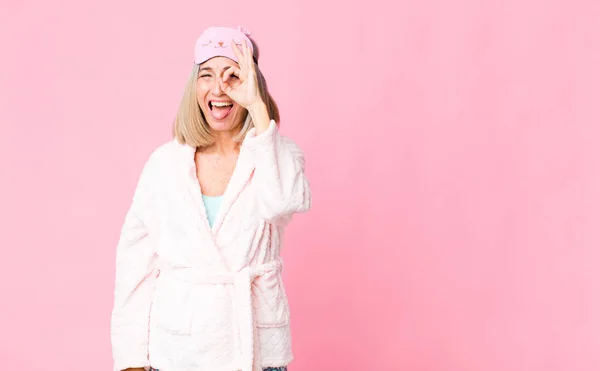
220, 111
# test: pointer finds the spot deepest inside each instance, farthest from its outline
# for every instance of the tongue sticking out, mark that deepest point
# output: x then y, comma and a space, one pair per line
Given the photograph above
220, 113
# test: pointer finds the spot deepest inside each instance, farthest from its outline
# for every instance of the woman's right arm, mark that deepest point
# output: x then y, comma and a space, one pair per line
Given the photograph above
134, 280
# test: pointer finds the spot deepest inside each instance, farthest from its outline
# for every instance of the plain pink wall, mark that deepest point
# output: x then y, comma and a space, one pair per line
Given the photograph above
451, 147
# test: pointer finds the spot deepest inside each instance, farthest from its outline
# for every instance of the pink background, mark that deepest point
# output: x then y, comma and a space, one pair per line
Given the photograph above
452, 148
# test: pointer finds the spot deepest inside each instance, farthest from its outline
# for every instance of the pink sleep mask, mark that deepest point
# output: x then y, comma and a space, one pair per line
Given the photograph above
216, 42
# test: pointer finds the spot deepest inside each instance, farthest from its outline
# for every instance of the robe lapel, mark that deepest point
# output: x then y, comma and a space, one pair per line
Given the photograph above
240, 178
193, 205
192, 191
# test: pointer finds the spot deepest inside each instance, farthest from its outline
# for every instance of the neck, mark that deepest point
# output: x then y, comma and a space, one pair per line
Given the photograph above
224, 144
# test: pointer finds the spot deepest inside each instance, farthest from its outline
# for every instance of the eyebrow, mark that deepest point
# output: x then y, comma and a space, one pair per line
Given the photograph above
210, 69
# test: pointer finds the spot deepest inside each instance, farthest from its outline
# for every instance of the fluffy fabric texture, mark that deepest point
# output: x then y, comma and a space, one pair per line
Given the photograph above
189, 296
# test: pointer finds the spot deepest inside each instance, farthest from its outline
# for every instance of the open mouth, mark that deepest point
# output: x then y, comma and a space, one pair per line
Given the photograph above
220, 109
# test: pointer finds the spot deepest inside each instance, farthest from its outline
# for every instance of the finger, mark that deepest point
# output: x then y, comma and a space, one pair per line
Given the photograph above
245, 48
248, 53
231, 71
236, 50
225, 87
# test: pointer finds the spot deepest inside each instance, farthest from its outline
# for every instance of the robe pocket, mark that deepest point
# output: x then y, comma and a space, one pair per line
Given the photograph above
269, 301
170, 309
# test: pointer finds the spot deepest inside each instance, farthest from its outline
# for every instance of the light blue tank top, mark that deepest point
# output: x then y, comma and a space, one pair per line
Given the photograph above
212, 205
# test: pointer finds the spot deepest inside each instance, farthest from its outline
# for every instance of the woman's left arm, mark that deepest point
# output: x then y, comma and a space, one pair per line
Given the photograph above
279, 179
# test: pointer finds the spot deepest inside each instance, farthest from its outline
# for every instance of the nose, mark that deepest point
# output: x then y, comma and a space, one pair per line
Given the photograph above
216, 88
220, 43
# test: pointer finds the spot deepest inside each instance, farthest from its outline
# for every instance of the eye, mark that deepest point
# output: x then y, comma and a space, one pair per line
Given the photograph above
204, 76
209, 42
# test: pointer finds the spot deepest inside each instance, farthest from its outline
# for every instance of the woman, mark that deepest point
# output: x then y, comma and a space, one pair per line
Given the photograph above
198, 270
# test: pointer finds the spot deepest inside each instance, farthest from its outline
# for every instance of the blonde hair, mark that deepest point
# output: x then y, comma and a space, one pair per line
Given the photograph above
190, 126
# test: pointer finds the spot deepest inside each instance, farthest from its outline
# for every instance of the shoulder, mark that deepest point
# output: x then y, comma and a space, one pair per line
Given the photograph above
162, 157
164, 153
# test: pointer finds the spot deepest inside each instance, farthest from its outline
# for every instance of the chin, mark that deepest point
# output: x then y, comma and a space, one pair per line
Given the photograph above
228, 124
221, 126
